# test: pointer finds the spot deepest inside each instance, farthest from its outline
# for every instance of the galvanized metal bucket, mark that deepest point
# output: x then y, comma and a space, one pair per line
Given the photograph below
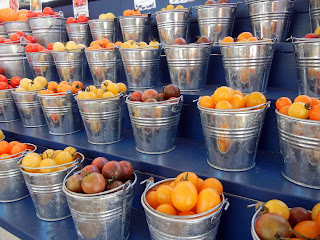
155, 124
42, 64
102, 28
12, 185
29, 107
61, 113
12, 27
253, 223
307, 53
49, 29
141, 66
104, 65
200, 226
216, 20
104, 215
8, 109
71, 65
172, 24
270, 19
188, 65
79, 33
3, 32
232, 136
247, 65
13, 61
314, 12
300, 149
103, 119
46, 191
136, 28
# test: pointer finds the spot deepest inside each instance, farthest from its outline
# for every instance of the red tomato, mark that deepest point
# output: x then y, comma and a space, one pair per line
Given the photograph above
4, 85
39, 14
31, 14
71, 20
32, 39
82, 18
50, 46
15, 82
41, 48
48, 10
22, 34
31, 48
15, 37
1, 40
0, 71
3, 79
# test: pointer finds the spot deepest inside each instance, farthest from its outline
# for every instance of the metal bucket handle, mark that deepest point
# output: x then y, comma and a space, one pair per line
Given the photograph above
3, 138
175, 107
149, 182
23, 153
266, 106
305, 40
224, 205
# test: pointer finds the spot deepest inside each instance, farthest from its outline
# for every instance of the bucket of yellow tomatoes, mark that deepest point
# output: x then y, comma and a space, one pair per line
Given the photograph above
44, 176
185, 207
231, 124
299, 135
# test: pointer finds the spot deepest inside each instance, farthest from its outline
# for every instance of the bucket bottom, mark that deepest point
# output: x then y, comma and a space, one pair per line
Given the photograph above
34, 126
105, 142
52, 219
155, 152
7, 121
59, 134
14, 200
231, 169
299, 183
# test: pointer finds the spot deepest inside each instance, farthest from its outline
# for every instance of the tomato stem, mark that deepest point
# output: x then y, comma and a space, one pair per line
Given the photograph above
302, 236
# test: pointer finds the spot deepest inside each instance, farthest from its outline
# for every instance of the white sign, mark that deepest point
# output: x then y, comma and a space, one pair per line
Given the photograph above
144, 4
179, 1
80, 7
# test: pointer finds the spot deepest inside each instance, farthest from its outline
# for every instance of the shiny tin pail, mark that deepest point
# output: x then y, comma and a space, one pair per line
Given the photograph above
3, 32
14, 26
103, 119
71, 65
270, 19
102, 28
104, 215
314, 12
300, 149
203, 226
79, 33
136, 28
307, 53
141, 66
8, 109
12, 185
104, 65
216, 21
42, 64
49, 29
188, 65
46, 191
172, 24
29, 107
247, 65
61, 113
232, 136
155, 124
253, 223
13, 61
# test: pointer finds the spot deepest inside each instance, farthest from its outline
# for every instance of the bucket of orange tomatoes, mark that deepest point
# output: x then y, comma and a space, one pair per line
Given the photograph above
12, 185
299, 135
185, 207
231, 124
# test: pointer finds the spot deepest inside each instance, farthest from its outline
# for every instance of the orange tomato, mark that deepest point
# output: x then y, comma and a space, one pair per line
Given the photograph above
244, 35
314, 101
251, 39
166, 209
163, 194
76, 86
4, 147
118, 43
208, 198
238, 92
222, 94
135, 12
64, 83
255, 98
315, 211
283, 101
184, 196
17, 148
127, 12
187, 176
237, 101
212, 183
46, 92
53, 86
206, 101
104, 42
200, 181
223, 105
318, 220
152, 199
110, 45
227, 39
187, 213
284, 110
303, 99
314, 113
172, 184
308, 229
12, 143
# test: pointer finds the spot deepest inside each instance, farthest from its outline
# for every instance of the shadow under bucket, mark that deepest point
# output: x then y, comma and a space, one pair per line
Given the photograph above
8, 109
136, 28
232, 136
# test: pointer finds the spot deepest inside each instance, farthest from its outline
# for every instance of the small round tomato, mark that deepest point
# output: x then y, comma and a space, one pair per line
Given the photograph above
4, 85
48, 10
15, 37
184, 196
303, 99
278, 207
212, 183
163, 194
207, 101
31, 14
208, 198
71, 20
21, 34
151, 198
187, 176
31, 48
12, 143
283, 101
166, 209
32, 39
255, 98
308, 229
53, 86
314, 101
82, 18
222, 93
314, 113
18, 148
284, 110
315, 211
3, 79
4, 147
15, 81
299, 110
237, 101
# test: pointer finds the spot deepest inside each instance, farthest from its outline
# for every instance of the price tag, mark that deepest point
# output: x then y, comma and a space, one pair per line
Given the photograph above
80, 7
14, 4
36, 5
179, 1
144, 4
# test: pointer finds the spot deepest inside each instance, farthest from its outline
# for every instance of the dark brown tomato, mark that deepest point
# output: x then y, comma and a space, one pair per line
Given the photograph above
150, 93
136, 96
93, 183
74, 183
114, 184
112, 170
88, 170
100, 162
127, 170
161, 97
170, 91
298, 214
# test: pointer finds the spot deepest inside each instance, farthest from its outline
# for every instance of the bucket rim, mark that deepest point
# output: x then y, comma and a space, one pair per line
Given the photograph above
40, 52
186, 10
238, 110
19, 21
187, 46
53, 95
78, 23
215, 5
251, 43
56, 16
303, 40
21, 154
7, 90
100, 20
103, 49
307, 121
76, 50
26, 91
248, 2
146, 15
115, 97
160, 103
149, 48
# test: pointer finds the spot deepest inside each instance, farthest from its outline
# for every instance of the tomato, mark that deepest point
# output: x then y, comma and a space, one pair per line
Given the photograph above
21, 34
71, 20
224, 105
64, 83
278, 207
187, 176
82, 18
135, 12
1, 41
71, 150
12, 143
76, 87
127, 170
4, 85
314, 102
303, 99
299, 110
212, 183
46, 92
284, 110
187, 213
163, 194
298, 214
99, 162
31, 14
15, 37
63, 158
53, 86
283, 101
308, 229
208, 198
207, 102
184, 196
93, 183
222, 93
74, 183
50, 46
48, 10
200, 181
255, 98
112, 170
171, 90
127, 12
314, 113
15, 81
237, 101
318, 220
18, 148
4, 147
238, 92
3, 78
32, 160
166, 209
151, 198
48, 162
31, 48
49, 153
114, 184
32, 39
315, 211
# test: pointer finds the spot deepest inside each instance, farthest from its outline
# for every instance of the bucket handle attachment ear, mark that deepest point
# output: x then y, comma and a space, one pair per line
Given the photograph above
224, 205
77, 166
175, 107
149, 182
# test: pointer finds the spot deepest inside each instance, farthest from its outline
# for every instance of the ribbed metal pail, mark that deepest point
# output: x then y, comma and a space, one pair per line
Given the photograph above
155, 124
79, 33
314, 12
136, 28
300, 149
188, 65
104, 65
172, 24
103, 28
104, 215
3, 32
232, 136
42, 64
270, 19
103, 119
29, 107
253, 223
307, 52
247, 65
46, 192
203, 226
216, 21
49, 29
12, 27
141, 66
8, 109
12, 185
61, 113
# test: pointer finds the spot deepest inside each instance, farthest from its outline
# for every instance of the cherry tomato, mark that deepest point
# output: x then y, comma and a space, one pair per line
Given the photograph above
15, 81
303, 99
3, 79
184, 196
207, 101
283, 101
315, 211
12, 143
71, 20
308, 229
208, 198
163, 194
18, 148
212, 183
278, 207
15, 37
50, 46
314, 101
4, 147
166, 209
93, 183
21, 34
31, 48
151, 198
53, 86
4, 85
284, 110
187, 176
32, 39
222, 94
187, 213
48, 10
31, 14
74, 183
255, 98
1, 40
32, 160
314, 113
82, 18
299, 110
298, 214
